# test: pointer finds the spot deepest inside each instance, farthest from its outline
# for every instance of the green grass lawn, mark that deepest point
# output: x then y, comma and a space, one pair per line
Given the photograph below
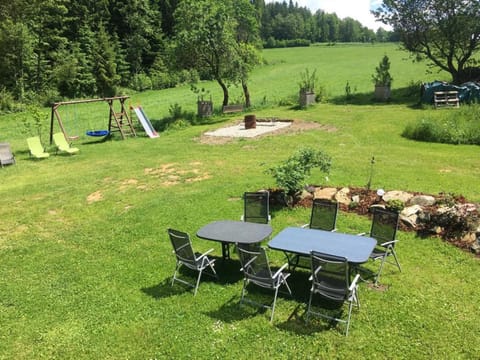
86, 265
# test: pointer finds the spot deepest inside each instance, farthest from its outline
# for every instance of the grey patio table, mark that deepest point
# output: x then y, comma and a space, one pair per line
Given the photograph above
231, 232
356, 249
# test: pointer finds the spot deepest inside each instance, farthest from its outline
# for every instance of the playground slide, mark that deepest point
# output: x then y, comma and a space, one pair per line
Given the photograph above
147, 125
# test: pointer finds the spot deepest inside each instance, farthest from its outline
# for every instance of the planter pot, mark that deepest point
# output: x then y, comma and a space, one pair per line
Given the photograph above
204, 108
250, 121
382, 93
306, 98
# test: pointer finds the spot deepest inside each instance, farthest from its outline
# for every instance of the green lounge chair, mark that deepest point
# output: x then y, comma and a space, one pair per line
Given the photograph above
63, 145
36, 148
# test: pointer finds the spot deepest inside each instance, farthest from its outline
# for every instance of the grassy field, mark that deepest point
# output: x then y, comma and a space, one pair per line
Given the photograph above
86, 264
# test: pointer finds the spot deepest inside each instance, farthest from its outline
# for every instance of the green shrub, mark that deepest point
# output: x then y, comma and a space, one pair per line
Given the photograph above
452, 127
291, 175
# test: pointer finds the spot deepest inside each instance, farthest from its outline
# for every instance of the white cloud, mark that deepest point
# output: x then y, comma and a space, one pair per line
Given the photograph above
355, 9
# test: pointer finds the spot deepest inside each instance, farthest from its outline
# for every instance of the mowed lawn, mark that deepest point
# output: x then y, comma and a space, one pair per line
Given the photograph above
86, 265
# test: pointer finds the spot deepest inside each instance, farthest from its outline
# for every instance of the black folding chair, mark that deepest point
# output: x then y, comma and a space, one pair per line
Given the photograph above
185, 255
331, 280
256, 270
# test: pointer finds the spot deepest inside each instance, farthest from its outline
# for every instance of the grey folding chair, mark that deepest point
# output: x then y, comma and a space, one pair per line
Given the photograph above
256, 207
384, 230
331, 280
185, 255
256, 270
6, 155
323, 217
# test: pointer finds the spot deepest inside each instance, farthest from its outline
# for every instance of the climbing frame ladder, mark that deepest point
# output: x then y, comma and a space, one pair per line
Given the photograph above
120, 121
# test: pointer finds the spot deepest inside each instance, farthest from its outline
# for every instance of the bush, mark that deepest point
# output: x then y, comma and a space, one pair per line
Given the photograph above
454, 127
141, 82
291, 175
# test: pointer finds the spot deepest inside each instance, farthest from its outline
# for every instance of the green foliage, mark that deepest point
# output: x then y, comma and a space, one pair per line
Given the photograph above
308, 80
292, 174
7, 102
459, 126
395, 205
382, 76
447, 35
141, 82
33, 121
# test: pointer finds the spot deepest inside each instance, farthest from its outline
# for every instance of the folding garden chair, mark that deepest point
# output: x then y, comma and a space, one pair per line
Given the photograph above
182, 246
62, 144
256, 270
36, 148
256, 207
384, 230
323, 217
331, 280
6, 155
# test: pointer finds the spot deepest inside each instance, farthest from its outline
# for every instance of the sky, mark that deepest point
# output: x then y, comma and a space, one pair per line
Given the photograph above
355, 9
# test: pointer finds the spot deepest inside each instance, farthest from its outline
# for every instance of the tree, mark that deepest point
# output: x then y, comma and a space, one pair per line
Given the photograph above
205, 39
446, 32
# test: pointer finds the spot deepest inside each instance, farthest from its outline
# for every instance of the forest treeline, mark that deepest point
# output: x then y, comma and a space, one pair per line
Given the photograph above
57, 49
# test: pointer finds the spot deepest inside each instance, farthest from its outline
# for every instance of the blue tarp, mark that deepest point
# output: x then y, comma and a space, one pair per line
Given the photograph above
467, 92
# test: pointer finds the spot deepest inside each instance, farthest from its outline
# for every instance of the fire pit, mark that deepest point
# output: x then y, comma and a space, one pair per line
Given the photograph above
250, 121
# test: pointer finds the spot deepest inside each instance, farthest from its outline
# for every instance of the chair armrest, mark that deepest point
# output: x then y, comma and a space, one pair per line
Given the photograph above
354, 282
280, 270
315, 273
304, 226
248, 263
361, 234
388, 243
205, 253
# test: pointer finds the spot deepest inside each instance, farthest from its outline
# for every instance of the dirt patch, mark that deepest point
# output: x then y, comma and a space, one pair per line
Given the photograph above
297, 126
94, 197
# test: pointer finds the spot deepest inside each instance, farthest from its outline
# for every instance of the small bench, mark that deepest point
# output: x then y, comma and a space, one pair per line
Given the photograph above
446, 99
232, 108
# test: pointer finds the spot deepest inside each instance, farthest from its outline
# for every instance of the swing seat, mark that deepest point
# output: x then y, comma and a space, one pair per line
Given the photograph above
98, 133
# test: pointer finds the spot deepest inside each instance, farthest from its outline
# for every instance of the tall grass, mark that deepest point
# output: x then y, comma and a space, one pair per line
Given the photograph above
450, 127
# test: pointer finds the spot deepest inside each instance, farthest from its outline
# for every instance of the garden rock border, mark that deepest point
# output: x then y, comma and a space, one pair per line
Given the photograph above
451, 217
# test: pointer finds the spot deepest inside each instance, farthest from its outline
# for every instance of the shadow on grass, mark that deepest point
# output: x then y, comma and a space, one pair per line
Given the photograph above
184, 119
409, 96
233, 311
297, 321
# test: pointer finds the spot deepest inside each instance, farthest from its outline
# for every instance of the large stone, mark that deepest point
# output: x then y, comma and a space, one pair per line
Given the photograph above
411, 210
343, 197
325, 193
397, 195
422, 200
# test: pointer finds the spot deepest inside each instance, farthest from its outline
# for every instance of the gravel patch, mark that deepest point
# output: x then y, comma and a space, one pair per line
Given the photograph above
239, 130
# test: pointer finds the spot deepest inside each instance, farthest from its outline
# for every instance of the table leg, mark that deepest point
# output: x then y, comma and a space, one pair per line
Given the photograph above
225, 250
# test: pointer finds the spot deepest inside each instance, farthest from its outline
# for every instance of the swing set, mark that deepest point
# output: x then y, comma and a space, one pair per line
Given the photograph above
118, 120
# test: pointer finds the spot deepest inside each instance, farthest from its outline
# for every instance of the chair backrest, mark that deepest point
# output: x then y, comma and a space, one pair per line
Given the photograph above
255, 264
324, 214
256, 207
60, 141
384, 225
330, 276
182, 246
34, 145
5, 153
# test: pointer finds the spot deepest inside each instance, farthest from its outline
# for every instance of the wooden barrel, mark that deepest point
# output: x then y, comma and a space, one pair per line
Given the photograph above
250, 121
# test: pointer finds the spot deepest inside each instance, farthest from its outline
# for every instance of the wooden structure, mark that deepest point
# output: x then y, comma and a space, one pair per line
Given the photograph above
446, 99
227, 109
118, 120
